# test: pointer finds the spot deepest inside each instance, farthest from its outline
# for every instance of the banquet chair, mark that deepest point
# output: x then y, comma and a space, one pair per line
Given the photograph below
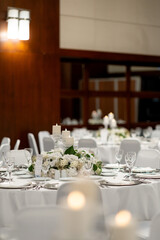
33, 143
156, 133
48, 144
4, 148
129, 145
155, 228
93, 199
20, 156
39, 223
87, 143
157, 127
148, 158
16, 146
41, 135
6, 140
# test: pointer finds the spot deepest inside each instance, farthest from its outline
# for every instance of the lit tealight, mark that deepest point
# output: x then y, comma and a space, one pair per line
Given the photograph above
76, 200
123, 218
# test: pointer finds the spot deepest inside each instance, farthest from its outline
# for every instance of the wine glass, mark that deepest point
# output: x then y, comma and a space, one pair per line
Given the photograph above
118, 156
28, 154
45, 168
10, 162
88, 166
130, 159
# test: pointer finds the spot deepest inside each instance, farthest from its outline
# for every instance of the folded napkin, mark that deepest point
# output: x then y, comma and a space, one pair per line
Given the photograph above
13, 185
142, 169
149, 176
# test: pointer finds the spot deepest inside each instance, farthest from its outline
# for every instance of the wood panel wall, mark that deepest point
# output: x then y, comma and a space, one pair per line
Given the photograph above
30, 72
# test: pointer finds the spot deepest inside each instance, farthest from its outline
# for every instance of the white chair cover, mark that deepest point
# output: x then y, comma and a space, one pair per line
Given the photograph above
156, 133
155, 228
33, 144
41, 135
148, 158
129, 145
48, 144
20, 156
3, 149
6, 140
87, 143
16, 146
93, 203
39, 223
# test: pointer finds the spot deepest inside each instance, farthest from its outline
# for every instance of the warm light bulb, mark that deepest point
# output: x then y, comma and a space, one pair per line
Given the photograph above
123, 218
76, 200
24, 25
12, 24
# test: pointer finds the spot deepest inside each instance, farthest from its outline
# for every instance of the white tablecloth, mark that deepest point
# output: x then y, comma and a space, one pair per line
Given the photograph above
142, 200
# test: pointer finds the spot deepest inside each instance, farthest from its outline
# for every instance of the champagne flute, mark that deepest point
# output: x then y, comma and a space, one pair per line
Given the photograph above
130, 159
10, 162
118, 156
45, 168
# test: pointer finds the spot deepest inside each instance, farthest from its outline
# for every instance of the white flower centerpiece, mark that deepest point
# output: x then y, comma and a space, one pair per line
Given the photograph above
71, 160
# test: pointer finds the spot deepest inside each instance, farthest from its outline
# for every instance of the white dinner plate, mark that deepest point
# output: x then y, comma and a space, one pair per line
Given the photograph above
108, 174
93, 177
114, 166
143, 170
13, 185
39, 179
21, 172
105, 170
123, 183
25, 176
2, 169
68, 179
149, 176
51, 186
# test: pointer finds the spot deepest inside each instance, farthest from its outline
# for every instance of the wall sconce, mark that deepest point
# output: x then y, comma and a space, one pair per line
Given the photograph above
18, 24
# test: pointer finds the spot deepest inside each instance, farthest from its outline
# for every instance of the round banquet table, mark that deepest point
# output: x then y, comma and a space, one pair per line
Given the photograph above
141, 200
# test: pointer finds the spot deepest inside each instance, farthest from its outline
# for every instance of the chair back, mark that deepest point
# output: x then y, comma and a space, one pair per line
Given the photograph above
155, 229
32, 143
156, 133
41, 135
6, 140
3, 149
87, 143
93, 202
48, 144
16, 146
39, 223
20, 156
129, 145
148, 158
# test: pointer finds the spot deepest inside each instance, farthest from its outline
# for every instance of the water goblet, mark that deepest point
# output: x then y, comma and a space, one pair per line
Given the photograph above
88, 166
118, 156
28, 154
130, 159
45, 168
10, 162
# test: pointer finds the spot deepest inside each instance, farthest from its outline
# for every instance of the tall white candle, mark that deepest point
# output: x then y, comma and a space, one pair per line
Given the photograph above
65, 133
123, 227
56, 129
69, 141
113, 123
111, 116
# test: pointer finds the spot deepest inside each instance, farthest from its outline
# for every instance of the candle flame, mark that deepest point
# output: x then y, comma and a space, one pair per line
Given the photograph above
123, 218
76, 200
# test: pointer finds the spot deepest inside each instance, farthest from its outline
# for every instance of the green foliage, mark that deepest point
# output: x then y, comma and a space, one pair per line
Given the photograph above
31, 168
70, 150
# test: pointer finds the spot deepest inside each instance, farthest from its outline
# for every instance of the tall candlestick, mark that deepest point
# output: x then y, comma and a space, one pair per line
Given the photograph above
111, 116
56, 129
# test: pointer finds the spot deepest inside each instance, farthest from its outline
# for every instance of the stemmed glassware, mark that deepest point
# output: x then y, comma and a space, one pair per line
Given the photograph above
28, 154
130, 159
118, 156
45, 168
88, 166
10, 162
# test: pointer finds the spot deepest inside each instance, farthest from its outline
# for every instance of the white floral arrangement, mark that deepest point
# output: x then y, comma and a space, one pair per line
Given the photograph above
71, 159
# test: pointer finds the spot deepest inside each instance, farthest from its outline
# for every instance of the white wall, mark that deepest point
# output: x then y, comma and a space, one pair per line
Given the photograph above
126, 26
